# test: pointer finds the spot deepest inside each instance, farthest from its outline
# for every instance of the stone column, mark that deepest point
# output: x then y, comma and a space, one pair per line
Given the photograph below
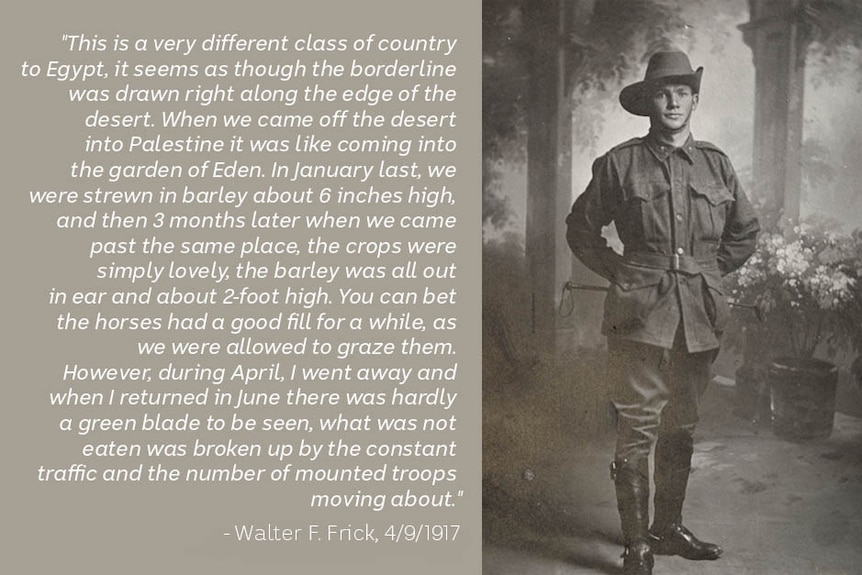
552, 28
777, 37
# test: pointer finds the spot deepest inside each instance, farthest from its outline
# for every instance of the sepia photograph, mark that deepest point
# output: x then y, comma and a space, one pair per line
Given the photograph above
672, 287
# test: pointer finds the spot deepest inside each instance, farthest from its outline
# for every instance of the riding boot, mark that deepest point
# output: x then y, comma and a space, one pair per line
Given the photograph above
668, 536
631, 479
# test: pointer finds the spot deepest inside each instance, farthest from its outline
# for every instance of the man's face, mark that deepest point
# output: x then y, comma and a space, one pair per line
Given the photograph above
671, 106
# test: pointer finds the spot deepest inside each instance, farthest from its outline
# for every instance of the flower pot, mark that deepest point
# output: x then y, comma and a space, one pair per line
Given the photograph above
802, 398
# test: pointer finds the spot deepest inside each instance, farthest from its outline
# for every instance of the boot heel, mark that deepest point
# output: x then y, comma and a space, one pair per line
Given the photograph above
638, 560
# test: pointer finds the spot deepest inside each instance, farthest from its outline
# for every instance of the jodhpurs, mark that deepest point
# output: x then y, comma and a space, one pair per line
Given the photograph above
655, 393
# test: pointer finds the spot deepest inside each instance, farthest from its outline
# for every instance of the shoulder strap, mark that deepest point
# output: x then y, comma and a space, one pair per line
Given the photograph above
704, 145
627, 144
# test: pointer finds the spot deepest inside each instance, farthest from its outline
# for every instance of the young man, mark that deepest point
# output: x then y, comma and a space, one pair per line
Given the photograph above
684, 222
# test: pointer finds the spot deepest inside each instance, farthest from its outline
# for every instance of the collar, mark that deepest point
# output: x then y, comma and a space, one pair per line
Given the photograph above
662, 151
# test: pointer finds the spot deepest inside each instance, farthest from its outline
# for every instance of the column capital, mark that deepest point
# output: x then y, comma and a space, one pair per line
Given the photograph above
774, 15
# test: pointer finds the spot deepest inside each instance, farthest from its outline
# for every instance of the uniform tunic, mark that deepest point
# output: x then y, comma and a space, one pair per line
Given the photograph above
684, 222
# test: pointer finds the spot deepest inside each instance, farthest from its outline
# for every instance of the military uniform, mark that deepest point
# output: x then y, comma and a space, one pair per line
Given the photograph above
684, 222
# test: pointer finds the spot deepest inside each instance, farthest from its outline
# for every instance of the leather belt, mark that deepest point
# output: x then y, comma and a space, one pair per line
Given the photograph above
672, 262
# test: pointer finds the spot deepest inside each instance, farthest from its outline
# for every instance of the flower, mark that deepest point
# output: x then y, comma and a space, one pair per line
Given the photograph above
808, 291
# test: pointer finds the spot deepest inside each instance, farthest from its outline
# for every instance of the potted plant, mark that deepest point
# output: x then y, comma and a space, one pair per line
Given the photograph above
806, 288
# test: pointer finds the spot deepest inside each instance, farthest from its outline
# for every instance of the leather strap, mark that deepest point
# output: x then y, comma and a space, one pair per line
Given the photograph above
672, 262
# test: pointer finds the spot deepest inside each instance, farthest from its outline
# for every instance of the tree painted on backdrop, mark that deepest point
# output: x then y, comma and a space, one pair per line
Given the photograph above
618, 40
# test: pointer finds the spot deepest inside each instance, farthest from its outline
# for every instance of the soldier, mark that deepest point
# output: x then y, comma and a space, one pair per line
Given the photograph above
684, 222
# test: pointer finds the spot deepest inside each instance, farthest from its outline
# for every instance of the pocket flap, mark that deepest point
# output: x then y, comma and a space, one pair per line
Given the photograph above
714, 194
630, 277
645, 191
713, 280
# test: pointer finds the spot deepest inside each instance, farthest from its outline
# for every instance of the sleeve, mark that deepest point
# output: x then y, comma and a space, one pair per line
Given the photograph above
592, 210
740, 228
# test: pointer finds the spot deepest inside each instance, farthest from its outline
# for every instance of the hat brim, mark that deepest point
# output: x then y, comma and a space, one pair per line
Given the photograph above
634, 100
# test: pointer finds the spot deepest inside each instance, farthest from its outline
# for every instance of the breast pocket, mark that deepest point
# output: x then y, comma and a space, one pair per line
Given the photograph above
646, 211
710, 204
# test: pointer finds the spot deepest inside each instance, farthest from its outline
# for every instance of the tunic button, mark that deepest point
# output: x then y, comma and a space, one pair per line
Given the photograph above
680, 251
679, 217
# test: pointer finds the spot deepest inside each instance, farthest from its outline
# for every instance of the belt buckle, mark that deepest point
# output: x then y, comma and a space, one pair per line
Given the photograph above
674, 262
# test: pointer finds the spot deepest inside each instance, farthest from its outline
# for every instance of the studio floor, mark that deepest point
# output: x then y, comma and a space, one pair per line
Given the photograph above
777, 507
